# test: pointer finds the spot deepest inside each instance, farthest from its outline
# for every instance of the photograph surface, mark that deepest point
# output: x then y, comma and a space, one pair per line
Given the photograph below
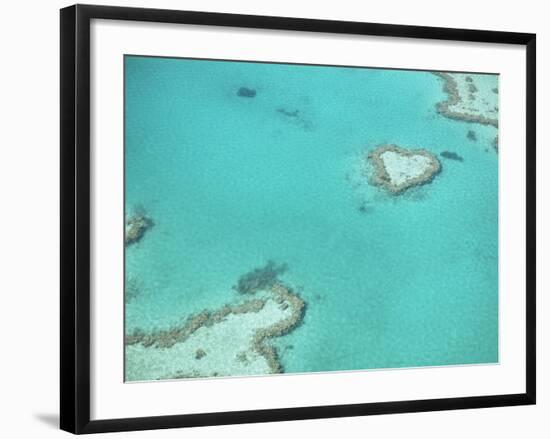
292, 218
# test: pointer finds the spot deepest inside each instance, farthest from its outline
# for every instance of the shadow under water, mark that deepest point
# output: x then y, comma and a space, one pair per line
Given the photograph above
297, 117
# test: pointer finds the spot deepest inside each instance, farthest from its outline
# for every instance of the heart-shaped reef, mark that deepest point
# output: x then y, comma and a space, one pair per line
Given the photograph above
397, 169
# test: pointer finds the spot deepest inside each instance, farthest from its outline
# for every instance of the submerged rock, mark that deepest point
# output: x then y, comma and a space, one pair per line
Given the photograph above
136, 226
451, 156
132, 289
245, 92
288, 112
296, 117
365, 208
472, 135
260, 278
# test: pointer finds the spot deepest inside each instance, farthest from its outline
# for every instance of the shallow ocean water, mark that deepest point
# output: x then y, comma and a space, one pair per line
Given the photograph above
232, 182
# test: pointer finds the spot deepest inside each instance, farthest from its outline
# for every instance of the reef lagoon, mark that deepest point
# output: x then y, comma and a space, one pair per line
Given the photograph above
296, 219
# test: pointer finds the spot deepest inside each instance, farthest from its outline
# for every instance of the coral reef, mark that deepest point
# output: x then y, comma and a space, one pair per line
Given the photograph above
199, 353
451, 156
286, 311
297, 304
397, 169
260, 278
241, 356
136, 226
180, 374
470, 99
245, 92
455, 107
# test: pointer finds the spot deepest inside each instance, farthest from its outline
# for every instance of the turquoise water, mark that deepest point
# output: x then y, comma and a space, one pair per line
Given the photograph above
230, 182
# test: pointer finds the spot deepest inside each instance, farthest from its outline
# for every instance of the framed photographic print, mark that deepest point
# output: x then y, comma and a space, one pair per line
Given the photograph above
268, 218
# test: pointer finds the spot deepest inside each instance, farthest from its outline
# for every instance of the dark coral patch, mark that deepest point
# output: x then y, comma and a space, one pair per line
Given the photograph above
245, 92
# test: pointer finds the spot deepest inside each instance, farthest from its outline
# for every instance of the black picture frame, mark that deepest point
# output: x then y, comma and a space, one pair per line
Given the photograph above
75, 217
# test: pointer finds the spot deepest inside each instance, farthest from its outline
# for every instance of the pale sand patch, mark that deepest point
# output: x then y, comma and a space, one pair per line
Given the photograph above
401, 168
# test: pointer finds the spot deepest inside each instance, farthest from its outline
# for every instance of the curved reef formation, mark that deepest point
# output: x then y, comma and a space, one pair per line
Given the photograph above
397, 169
230, 341
136, 226
468, 100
